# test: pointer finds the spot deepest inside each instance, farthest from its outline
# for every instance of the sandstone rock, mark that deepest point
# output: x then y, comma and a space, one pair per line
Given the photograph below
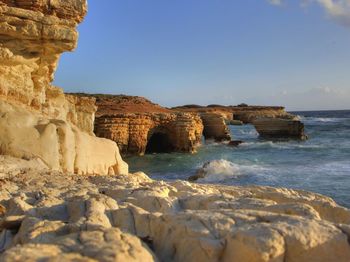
245, 114
38, 120
2, 210
178, 220
235, 122
60, 145
103, 245
33, 35
280, 128
151, 132
215, 127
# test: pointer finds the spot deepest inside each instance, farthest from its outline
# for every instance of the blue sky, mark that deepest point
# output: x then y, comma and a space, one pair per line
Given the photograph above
214, 51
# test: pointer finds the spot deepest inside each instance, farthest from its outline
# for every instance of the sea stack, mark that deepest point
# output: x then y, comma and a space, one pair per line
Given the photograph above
280, 128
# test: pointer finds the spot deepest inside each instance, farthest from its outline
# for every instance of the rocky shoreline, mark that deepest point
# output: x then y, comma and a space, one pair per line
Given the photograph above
134, 218
67, 195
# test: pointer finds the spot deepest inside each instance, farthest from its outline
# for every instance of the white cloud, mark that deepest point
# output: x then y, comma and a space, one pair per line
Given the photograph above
275, 2
338, 10
315, 98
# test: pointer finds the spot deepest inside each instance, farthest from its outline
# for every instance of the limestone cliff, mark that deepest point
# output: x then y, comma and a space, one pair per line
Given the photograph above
215, 127
280, 128
139, 126
244, 113
37, 119
151, 133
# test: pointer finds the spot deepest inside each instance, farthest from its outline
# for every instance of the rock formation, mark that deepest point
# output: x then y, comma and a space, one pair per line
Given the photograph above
37, 119
139, 126
215, 127
246, 114
280, 128
47, 213
142, 133
50, 216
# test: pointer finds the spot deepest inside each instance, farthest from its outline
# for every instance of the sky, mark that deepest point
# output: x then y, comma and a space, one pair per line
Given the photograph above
262, 52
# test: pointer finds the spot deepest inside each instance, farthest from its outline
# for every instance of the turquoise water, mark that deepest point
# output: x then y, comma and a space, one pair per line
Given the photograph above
320, 164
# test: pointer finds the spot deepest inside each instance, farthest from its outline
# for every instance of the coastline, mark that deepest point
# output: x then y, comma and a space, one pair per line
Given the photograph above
67, 194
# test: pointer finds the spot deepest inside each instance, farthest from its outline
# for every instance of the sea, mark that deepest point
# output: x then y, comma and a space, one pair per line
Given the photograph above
320, 164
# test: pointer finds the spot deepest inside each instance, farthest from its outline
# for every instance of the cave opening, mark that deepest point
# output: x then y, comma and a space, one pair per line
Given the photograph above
159, 142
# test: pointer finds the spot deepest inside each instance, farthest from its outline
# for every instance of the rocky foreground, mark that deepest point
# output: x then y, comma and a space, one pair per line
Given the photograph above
51, 216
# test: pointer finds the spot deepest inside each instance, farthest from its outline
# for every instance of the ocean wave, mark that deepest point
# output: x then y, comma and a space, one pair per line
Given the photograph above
280, 145
249, 132
220, 170
323, 119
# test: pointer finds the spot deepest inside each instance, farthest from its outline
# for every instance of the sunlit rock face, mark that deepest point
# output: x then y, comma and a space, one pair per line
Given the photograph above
37, 119
215, 127
280, 128
33, 35
137, 134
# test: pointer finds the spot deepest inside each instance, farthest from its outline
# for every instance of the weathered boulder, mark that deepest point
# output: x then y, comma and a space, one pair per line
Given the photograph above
132, 217
37, 119
280, 128
33, 35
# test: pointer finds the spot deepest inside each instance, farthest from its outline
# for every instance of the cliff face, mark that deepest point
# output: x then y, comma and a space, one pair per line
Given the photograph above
215, 127
280, 128
142, 133
37, 119
33, 36
246, 114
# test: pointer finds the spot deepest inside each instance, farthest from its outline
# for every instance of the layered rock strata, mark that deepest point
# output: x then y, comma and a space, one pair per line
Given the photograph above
37, 119
139, 126
280, 128
246, 114
142, 133
215, 127
54, 216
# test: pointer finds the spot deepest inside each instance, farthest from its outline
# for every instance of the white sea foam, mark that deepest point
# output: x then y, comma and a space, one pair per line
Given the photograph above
280, 145
322, 119
219, 170
249, 132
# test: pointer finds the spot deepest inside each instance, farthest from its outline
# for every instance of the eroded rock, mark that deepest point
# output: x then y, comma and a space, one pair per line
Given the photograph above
36, 119
280, 128
77, 217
